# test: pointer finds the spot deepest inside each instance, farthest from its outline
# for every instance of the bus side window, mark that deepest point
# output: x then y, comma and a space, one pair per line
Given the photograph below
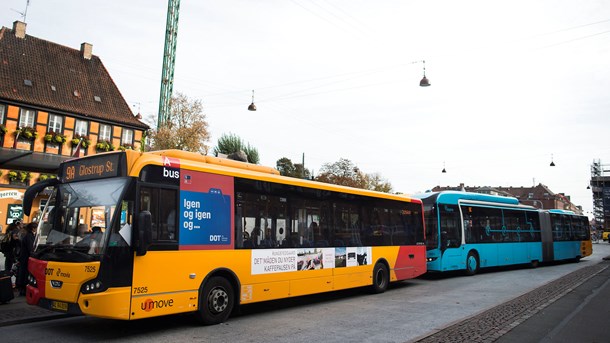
161, 203
149, 200
167, 214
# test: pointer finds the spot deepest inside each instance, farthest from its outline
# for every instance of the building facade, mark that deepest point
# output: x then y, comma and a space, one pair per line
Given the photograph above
55, 103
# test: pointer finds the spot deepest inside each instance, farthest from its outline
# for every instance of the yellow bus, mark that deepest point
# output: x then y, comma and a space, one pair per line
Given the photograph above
130, 235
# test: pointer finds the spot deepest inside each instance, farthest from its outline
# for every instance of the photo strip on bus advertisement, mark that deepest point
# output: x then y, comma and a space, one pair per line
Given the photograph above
266, 261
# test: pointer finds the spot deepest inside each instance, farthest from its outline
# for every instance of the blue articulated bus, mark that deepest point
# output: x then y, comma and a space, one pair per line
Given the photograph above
468, 231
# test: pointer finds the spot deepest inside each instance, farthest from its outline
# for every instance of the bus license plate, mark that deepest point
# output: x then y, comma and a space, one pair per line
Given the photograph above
59, 305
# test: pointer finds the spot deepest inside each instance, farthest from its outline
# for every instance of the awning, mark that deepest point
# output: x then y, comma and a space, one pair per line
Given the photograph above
26, 160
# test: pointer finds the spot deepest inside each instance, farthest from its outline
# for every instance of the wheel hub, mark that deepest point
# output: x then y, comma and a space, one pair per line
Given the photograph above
218, 300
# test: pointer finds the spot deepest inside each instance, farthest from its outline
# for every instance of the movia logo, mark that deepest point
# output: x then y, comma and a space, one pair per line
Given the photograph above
149, 304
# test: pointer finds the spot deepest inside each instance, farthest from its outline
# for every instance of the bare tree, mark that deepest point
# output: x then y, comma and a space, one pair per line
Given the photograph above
186, 130
345, 172
378, 183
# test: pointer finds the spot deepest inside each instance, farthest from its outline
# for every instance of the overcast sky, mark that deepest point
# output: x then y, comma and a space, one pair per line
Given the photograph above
515, 84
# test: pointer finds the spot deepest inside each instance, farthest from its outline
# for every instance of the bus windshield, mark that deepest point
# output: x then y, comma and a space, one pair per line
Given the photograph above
78, 217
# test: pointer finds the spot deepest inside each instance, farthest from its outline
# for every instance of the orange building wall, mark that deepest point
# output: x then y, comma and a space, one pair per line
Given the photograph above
11, 122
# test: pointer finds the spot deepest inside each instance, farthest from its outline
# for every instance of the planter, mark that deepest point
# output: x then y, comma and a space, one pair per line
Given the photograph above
84, 144
104, 146
26, 133
126, 147
18, 176
55, 138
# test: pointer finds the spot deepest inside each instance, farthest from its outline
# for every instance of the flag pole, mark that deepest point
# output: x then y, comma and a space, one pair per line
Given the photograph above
77, 151
16, 138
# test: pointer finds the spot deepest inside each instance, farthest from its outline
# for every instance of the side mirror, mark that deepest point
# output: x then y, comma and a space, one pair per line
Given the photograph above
144, 232
33, 190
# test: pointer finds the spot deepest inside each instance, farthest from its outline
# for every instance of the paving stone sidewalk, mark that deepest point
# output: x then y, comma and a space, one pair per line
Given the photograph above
17, 311
492, 324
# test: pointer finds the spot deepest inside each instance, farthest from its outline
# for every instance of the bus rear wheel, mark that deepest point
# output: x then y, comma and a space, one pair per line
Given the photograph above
216, 301
472, 264
381, 278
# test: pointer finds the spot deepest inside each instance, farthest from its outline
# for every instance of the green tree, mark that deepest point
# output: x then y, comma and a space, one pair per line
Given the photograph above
186, 130
287, 168
231, 145
299, 172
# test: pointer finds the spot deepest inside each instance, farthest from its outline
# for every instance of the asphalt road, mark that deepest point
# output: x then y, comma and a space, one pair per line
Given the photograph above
406, 311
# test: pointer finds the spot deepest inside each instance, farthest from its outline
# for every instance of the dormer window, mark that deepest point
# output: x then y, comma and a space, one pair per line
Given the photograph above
97, 98
27, 83
53, 88
76, 94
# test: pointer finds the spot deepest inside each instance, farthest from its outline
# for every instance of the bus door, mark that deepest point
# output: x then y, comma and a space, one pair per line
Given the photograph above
157, 287
451, 238
547, 237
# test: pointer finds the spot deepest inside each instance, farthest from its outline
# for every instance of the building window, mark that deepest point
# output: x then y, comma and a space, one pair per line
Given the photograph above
81, 128
127, 137
105, 132
55, 123
26, 118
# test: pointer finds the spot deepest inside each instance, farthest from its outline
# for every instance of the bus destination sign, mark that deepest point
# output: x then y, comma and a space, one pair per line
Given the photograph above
94, 167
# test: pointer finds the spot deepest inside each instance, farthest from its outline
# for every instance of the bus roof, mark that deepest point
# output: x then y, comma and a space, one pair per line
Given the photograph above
452, 197
137, 160
562, 211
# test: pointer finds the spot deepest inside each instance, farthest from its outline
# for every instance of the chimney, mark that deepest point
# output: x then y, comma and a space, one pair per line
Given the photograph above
19, 29
86, 49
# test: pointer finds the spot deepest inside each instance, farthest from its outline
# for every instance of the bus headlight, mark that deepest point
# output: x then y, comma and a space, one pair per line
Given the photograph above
92, 286
430, 259
32, 281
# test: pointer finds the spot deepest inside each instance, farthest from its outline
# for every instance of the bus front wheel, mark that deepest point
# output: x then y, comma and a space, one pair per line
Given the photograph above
216, 301
381, 278
472, 264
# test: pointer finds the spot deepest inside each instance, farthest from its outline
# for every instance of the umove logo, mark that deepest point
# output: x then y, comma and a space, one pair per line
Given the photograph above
149, 304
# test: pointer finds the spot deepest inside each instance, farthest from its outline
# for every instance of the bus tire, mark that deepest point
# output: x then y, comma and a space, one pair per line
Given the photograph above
534, 264
472, 263
216, 301
381, 278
